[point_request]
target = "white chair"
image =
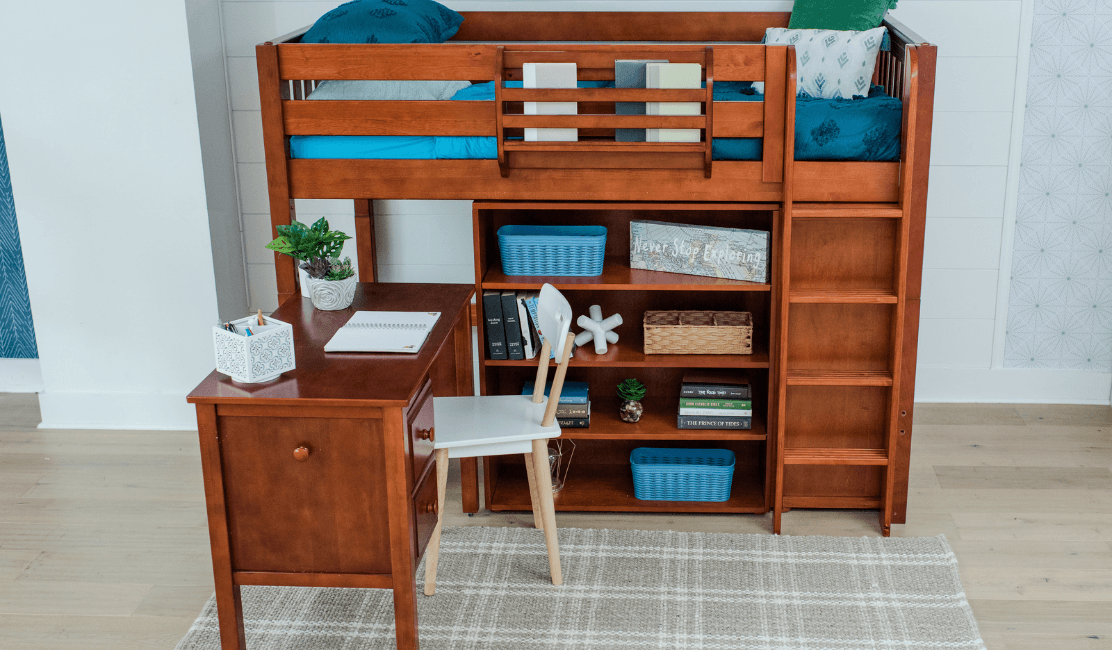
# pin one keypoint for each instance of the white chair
(496, 425)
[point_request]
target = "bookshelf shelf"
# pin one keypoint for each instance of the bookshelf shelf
(618, 276)
(609, 488)
(627, 356)
(657, 423)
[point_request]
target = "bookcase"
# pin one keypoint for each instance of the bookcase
(832, 368)
(599, 478)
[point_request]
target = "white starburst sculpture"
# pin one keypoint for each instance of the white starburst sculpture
(598, 329)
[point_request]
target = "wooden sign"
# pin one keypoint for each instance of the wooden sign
(731, 253)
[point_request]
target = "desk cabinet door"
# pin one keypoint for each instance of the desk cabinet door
(292, 512)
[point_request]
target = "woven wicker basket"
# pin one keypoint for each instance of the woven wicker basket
(698, 332)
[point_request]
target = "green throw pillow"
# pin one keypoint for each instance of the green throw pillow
(856, 15)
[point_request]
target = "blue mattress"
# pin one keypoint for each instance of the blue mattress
(865, 129)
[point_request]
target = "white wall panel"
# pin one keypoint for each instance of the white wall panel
(243, 83)
(962, 244)
(955, 343)
(262, 284)
(967, 192)
(964, 28)
(958, 293)
(961, 138)
(253, 197)
(974, 83)
(438, 273)
(249, 23)
(248, 126)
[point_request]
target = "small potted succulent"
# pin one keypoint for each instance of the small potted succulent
(316, 248)
(631, 391)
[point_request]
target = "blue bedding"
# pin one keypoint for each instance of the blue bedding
(864, 129)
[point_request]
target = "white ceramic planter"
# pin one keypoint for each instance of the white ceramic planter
(332, 295)
(303, 280)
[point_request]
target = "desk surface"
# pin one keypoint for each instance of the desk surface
(353, 378)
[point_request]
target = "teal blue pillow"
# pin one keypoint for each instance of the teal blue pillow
(385, 21)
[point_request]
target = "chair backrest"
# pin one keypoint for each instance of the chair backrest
(554, 314)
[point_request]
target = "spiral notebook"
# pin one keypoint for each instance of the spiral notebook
(384, 331)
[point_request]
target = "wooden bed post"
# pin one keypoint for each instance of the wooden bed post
(277, 173)
(921, 76)
(365, 240)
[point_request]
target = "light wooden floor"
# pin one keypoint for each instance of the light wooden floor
(103, 541)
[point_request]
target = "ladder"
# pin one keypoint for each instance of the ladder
(797, 372)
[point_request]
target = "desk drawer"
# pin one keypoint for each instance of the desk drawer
(305, 494)
(425, 508)
(419, 421)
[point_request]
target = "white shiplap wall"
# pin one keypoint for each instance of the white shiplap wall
(978, 42)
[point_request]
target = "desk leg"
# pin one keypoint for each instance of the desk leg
(229, 607)
(402, 551)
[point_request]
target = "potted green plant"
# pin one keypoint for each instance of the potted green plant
(331, 281)
(631, 391)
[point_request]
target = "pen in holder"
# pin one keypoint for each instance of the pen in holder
(262, 356)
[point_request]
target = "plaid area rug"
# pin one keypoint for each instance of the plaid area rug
(638, 589)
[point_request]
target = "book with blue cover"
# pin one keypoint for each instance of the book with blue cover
(574, 392)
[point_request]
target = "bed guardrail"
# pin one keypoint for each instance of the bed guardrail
(300, 69)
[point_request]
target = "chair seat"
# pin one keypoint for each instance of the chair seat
(489, 420)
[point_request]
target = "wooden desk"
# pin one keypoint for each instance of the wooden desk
(358, 509)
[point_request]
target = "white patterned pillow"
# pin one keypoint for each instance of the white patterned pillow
(831, 64)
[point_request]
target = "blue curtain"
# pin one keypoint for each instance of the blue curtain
(17, 333)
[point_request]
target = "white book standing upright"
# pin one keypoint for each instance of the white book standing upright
(384, 331)
(673, 75)
(550, 75)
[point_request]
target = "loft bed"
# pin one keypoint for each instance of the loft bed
(492, 46)
(867, 297)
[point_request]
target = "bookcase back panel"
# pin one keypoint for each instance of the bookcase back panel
(849, 337)
(843, 254)
(850, 417)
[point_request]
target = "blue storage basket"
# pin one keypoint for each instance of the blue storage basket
(552, 250)
(682, 474)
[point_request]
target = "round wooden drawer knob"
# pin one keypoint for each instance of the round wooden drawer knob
(427, 434)
(301, 454)
(431, 508)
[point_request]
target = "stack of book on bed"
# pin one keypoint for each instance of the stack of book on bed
(574, 409)
(715, 400)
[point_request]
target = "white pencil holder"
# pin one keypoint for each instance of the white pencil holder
(264, 355)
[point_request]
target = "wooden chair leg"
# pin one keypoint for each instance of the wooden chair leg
(530, 472)
(548, 509)
(432, 554)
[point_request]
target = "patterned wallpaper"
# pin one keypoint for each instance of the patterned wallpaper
(1060, 307)
(17, 335)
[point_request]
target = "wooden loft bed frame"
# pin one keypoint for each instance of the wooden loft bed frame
(493, 45)
(884, 201)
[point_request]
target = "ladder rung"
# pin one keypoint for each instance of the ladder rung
(868, 210)
(842, 296)
(834, 456)
(839, 378)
